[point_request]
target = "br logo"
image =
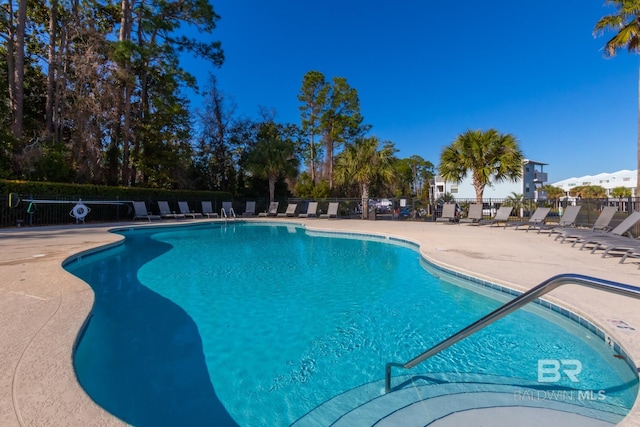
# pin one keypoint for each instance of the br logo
(551, 370)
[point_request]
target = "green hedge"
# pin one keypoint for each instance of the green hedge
(66, 194)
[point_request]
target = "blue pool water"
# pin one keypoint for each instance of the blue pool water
(255, 325)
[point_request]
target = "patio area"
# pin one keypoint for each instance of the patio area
(42, 307)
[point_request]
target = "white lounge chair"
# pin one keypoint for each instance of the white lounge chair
(312, 210)
(207, 210)
(291, 210)
(184, 210)
(140, 212)
(332, 211)
(165, 212)
(273, 210)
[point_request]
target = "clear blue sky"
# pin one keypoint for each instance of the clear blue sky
(428, 70)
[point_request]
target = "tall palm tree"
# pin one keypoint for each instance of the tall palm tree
(273, 157)
(489, 156)
(626, 23)
(363, 163)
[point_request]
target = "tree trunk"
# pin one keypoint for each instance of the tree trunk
(51, 75)
(18, 79)
(638, 172)
(329, 160)
(312, 166)
(364, 189)
(11, 63)
(272, 189)
(125, 34)
(60, 89)
(126, 135)
(479, 192)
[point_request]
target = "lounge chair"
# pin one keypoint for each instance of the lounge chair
(567, 220)
(273, 210)
(250, 209)
(312, 208)
(448, 213)
(140, 212)
(601, 225)
(332, 211)
(537, 219)
(165, 212)
(620, 245)
(614, 240)
(502, 215)
(227, 210)
(633, 253)
(291, 210)
(184, 209)
(475, 214)
(208, 210)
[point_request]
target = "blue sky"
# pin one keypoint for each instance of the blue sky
(427, 71)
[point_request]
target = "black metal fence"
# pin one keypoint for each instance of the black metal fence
(43, 209)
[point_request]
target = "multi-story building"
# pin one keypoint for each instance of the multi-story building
(609, 181)
(533, 177)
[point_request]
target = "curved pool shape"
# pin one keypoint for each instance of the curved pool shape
(256, 325)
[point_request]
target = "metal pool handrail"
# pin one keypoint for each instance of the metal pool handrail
(541, 289)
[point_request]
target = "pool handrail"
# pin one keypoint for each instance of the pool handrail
(518, 302)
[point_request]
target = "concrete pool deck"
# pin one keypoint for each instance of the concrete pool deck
(42, 307)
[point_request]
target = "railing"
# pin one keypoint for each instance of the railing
(541, 289)
(230, 214)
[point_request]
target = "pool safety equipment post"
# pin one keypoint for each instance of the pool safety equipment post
(79, 211)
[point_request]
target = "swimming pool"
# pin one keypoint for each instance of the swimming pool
(259, 324)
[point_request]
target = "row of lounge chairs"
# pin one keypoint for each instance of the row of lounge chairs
(312, 211)
(141, 212)
(618, 240)
(599, 237)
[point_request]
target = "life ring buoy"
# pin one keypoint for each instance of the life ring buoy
(79, 211)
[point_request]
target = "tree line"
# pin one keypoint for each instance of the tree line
(94, 89)
(96, 94)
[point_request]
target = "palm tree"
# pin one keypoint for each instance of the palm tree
(589, 192)
(363, 163)
(620, 192)
(489, 156)
(516, 200)
(553, 192)
(273, 157)
(626, 23)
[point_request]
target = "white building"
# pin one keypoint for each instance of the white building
(623, 178)
(533, 177)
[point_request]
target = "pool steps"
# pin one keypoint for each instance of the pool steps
(511, 306)
(435, 401)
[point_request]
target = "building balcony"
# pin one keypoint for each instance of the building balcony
(539, 177)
